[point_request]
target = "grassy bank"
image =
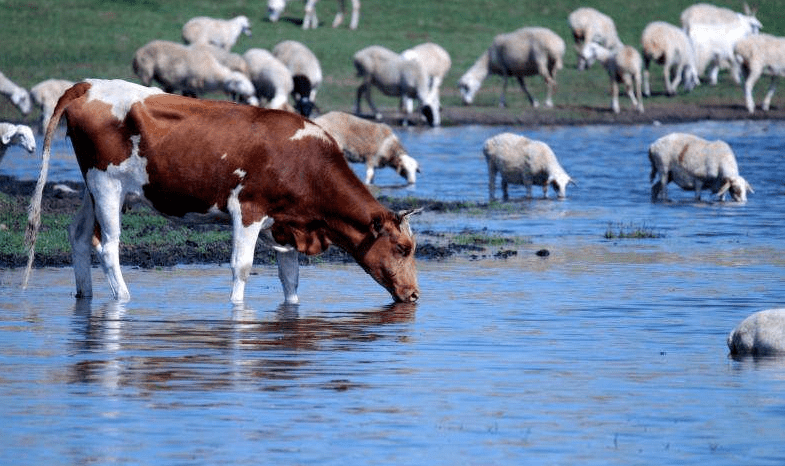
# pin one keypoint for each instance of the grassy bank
(75, 39)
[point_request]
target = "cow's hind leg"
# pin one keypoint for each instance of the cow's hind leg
(108, 204)
(289, 273)
(81, 234)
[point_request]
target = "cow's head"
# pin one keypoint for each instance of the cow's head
(389, 256)
(738, 188)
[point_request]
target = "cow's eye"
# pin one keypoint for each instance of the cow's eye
(403, 249)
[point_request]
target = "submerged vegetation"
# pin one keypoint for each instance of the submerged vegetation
(630, 231)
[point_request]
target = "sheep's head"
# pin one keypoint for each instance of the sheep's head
(559, 184)
(21, 135)
(21, 98)
(238, 84)
(245, 25)
(468, 87)
(738, 188)
(408, 168)
(589, 53)
(274, 9)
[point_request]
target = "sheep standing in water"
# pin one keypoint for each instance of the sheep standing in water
(524, 161)
(623, 66)
(221, 33)
(590, 25)
(395, 76)
(526, 52)
(760, 334)
(374, 144)
(695, 163)
(11, 134)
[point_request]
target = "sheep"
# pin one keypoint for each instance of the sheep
(695, 163)
(669, 46)
(231, 60)
(222, 33)
(760, 334)
(46, 94)
(193, 70)
(11, 134)
(394, 76)
(757, 55)
(523, 161)
(590, 25)
(373, 144)
(310, 21)
(437, 63)
(18, 95)
(526, 52)
(713, 32)
(623, 66)
(306, 72)
(271, 78)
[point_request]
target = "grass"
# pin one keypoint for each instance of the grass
(630, 231)
(76, 39)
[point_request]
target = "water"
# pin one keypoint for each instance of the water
(605, 352)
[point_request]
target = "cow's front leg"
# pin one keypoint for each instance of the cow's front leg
(289, 273)
(243, 246)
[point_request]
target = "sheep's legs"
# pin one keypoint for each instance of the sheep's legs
(769, 94)
(615, 96)
(749, 84)
(491, 181)
(532, 100)
(365, 89)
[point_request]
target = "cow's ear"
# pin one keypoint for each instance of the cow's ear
(376, 226)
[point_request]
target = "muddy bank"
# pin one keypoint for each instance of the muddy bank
(431, 245)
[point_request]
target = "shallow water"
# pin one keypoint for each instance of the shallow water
(605, 352)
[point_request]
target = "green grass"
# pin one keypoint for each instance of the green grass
(630, 231)
(76, 39)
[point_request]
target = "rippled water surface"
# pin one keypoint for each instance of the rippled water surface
(604, 352)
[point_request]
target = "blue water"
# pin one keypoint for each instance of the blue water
(605, 352)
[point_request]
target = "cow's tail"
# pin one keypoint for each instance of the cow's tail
(34, 211)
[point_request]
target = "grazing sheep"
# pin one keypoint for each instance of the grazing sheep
(306, 72)
(395, 76)
(193, 70)
(222, 33)
(11, 134)
(231, 60)
(373, 144)
(271, 78)
(714, 31)
(526, 52)
(436, 62)
(18, 95)
(695, 163)
(623, 66)
(46, 94)
(523, 161)
(760, 334)
(310, 21)
(590, 25)
(757, 55)
(670, 47)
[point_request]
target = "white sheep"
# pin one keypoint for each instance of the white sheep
(46, 94)
(590, 25)
(306, 72)
(521, 160)
(714, 31)
(222, 33)
(526, 52)
(310, 21)
(231, 60)
(695, 163)
(193, 70)
(437, 63)
(670, 47)
(271, 78)
(11, 134)
(757, 55)
(395, 76)
(623, 66)
(760, 334)
(18, 95)
(373, 144)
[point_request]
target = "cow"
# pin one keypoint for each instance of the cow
(266, 171)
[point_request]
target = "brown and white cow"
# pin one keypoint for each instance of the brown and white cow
(268, 170)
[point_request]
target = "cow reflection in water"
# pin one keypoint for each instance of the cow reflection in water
(120, 349)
